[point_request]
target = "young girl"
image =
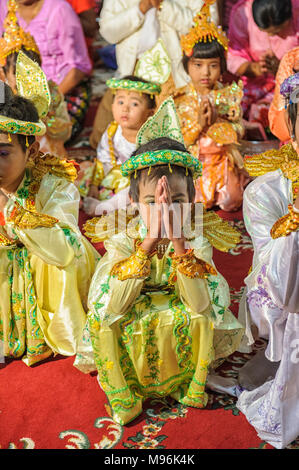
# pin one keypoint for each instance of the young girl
(271, 213)
(45, 263)
(159, 313)
(211, 117)
(132, 105)
(58, 122)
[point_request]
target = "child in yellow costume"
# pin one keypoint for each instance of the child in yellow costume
(210, 115)
(45, 263)
(158, 308)
(132, 105)
(57, 120)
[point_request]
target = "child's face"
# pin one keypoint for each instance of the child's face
(130, 109)
(204, 73)
(147, 190)
(13, 161)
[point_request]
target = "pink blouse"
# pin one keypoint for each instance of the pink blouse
(58, 33)
(248, 43)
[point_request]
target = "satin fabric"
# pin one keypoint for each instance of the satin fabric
(113, 181)
(146, 339)
(272, 305)
(45, 277)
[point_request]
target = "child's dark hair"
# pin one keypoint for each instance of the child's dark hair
(162, 143)
(11, 59)
(16, 107)
(207, 50)
(267, 13)
(133, 78)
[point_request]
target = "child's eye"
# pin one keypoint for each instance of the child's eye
(120, 102)
(3, 153)
(135, 103)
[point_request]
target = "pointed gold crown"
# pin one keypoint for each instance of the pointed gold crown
(31, 84)
(204, 30)
(14, 37)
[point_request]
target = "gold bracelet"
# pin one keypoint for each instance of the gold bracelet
(160, 6)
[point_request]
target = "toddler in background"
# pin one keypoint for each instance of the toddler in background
(103, 183)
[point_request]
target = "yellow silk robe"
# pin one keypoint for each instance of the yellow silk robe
(151, 338)
(45, 266)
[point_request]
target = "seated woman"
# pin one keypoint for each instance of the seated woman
(260, 33)
(45, 262)
(58, 121)
(59, 36)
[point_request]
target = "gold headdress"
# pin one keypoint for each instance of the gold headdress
(31, 84)
(204, 30)
(164, 123)
(14, 37)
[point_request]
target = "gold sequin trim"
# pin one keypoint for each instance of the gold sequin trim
(137, 266)
(191, 266)
(24, 219)
(286, 225)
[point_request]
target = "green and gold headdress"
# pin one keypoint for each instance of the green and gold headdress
(131, 85)
(31, 84)
(164, 123)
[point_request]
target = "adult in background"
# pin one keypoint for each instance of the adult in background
(86, 10)
(135, 26)
(260, 33)
(59, 36)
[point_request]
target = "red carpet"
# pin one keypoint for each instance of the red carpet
(54, 406)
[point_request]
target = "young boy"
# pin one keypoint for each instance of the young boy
(133, 104)
(45, 263)
(271, 213)
(159, 312)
